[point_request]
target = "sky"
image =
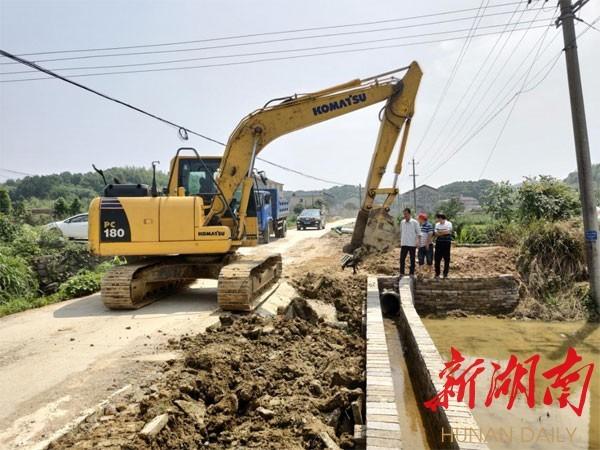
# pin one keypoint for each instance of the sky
(49, 126)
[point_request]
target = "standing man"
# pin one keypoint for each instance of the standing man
(443, 240)
(426, 244)
(409, 241)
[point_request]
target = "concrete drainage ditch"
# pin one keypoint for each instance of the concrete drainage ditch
(387, 424)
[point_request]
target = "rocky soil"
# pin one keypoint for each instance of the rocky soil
(287, 381)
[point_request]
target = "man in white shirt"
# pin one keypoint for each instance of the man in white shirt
(443, 242)
(410, 238)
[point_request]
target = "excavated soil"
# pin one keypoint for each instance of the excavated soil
(287, 381)
(464, 262)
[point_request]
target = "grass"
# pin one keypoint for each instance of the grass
(84, 283)
(18, 304)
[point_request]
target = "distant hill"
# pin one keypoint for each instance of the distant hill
(84, 186)
(475, 189)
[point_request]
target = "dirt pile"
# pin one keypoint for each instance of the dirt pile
(465, 262)
(250, 382)
(346, 292)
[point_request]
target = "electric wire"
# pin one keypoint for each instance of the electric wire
(458, 130)
(154, 116)
(267, 33)
(302, 173)
(512, 108)
(446, 86)
(105, 96)
(548, 67)
(461, 104)
(499, 99)
(268, 41)
(236, 63)
(267, 52)
(16, 172)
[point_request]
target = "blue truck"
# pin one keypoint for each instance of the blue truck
(272, 211)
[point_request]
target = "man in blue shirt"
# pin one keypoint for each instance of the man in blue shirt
(426, 243)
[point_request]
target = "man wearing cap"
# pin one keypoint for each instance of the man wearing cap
(410, 237)
(426, 247)
(443, 241)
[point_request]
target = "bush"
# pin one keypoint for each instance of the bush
(546, 198)
(8, 229)
(84, 283)
(551, 258)
(481, 229)
(26, 243)
(51, 239)
(16, 278)
(474, 234)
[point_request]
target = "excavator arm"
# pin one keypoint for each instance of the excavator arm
(261, 127)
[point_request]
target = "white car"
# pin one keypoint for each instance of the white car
(75, 227)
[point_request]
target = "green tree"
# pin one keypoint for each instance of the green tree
(298, 208)
(451, 208)
(61, 210)
(546, 198)
(5, 203)
(500, 201)
(75, 206)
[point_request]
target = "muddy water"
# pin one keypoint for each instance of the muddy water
(414, 435)
(540, 427)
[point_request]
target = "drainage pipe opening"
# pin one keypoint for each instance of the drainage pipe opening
(390, 303)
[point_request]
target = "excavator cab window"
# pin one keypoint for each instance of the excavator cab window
(197, 178)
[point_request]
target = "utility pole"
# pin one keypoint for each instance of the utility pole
(414, 177)
(582, 145)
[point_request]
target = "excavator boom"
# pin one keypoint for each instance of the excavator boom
(259, 128)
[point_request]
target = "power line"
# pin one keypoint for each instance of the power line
(497, 100)
(321, 47)
(447, 85)
(460, 103)
(551, 64)
(268, 41)
(236, 63)
(512, 108)
(302, 173)
(182, 130)
(268, 33)
(16, 172)
(459, 129)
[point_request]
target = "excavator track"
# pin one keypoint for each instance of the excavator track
(132, 286)
(120, 290)
(242, 282)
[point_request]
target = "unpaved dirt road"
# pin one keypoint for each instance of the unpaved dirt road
(58, 360)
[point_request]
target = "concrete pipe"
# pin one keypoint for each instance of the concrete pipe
(390, 303)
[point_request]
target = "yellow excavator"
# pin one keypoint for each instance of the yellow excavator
(193, 228)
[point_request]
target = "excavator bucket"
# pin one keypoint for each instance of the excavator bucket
(374, 232)
(381, 232)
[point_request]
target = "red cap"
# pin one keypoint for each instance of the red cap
(423, 216)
